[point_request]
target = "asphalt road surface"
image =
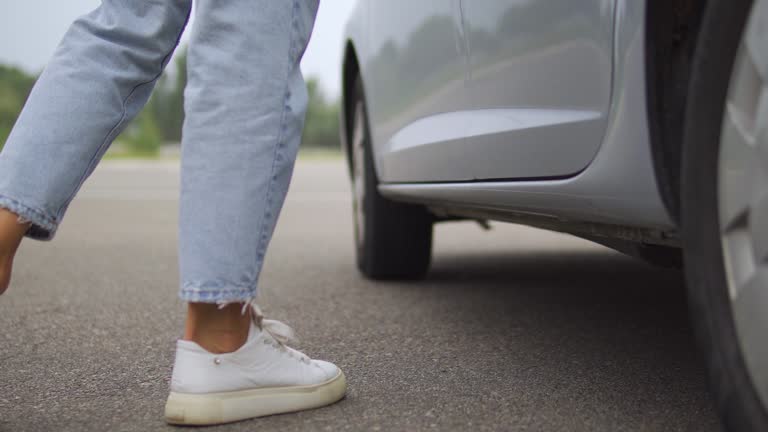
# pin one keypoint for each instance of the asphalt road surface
(513, 329)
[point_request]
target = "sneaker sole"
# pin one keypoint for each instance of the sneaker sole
(218, 408)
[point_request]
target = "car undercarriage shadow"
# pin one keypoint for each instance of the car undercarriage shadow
(582, 332)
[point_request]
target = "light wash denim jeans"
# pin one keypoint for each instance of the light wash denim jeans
(245, 105)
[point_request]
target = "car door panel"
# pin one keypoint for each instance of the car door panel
(465, 145)
(545, 55)
(417, 68)
(533, 102)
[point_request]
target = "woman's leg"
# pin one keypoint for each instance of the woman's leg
(100, 76)
(98, 79)
(245, 107)
(245, 103)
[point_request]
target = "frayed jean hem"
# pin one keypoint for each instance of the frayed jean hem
(193, 293)
(43, 226)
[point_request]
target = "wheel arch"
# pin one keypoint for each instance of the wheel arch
(672, 32)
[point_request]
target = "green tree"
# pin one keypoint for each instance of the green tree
(15, 86)
(169, 101)
(143, 136)
(321, 128)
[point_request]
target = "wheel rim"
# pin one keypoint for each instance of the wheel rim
(743, 195)
(358, 172)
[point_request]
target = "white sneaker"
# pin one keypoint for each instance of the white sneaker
(263, 377)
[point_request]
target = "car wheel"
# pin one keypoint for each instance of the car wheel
(393, 240)
(725, 207)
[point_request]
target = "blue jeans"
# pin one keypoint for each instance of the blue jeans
(245, 103)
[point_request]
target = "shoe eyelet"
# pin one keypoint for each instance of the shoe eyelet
(216, 361)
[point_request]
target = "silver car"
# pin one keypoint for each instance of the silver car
(639, 125)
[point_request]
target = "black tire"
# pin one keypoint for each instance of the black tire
(395, 240)
(735, 396)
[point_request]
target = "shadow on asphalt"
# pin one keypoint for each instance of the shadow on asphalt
(608, 285)
(614, 304)
(589, 337)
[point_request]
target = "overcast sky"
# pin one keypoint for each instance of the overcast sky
(31, 29)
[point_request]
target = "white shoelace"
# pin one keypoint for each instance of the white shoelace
(278, 330)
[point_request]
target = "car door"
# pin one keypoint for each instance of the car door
(416, 72)
(540, 85)
(535, 100)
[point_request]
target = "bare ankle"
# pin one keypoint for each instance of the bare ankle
(218, 330)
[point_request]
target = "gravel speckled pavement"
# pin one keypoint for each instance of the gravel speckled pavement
(513, 329)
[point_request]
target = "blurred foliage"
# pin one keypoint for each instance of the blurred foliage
(167, 103)
(143, 136)
(162, 118)
(321, 127)
(15, 86)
